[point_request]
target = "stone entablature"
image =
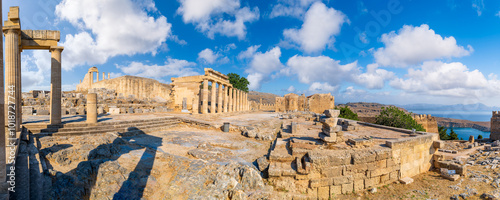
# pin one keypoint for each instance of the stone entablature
(192, 94)
(495, 126)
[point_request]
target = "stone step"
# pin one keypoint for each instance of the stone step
(144, 128)
(99, 126)
(85, 127)
(83, 124)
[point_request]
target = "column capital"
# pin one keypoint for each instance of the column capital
(12, 29)
(56, 48)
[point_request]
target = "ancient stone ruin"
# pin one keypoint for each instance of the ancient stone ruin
(316, 103)
(428, 122)
(495, 126)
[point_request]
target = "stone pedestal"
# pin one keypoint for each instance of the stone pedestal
(331, 133)
(91, 108)
(55, 88)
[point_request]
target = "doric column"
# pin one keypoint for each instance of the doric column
(19, 96)
(196, 104)
(230, 100)
(204, 94)
(91, 108)
(245, 101)
(238, 100)
(109, 75)
(226, 103)
(241, 100)
(2, 104)
(213, 101)
(11, 74)
(97, 73)
(219, 99)
(103, 76)
(235, 104)
(55, 88)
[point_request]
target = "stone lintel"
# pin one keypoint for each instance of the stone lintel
(38, 44)
(40, 35)
(210, 71)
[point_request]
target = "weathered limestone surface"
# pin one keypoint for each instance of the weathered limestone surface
(428, 122)
(316, 103)
(55, 94)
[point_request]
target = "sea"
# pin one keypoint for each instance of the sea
(463, 133)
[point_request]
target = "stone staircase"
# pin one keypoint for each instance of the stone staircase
(82, 128)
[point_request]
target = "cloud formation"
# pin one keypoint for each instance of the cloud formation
(291, 8)
(261, 65)
(171, 67)
(414, 45)
(104, 30)
(320, 26)
(208, 16)
(210, 57)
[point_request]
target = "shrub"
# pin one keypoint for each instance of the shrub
(346, 113)
(392, 116)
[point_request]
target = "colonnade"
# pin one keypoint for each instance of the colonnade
(224, 98)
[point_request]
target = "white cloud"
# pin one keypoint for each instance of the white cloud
(249, 53)
(105, 30)
(479, 6)
(35, 68)
(208, 56)
(115, 75)
(262, 65)
(291, 89)
(208, 16)
(294, 8)
(320, 26)
(319, 69)
(318, 87)
(498, 14)
(172, 67)
(374, 78)
(413, 45)
(447, 79)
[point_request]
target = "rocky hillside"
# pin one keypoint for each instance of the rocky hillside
(459, 123)
(267, 98)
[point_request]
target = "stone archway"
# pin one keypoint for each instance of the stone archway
(17, 40)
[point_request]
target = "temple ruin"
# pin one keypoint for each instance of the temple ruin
(316, 103)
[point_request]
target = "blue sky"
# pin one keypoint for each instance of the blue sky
(394, 52)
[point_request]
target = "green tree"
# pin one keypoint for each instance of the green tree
(479, 137)
(443, 133)
(392, 116)
(453, 135)
(238, 82)
(346, 113)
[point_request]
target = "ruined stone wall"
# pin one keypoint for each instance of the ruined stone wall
(188, 91)
(428, 122)
(318, 103)
(279, 105)
(137, 86)
(330, 172)
(261, 106)
(495, 126)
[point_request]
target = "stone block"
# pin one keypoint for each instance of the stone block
(262, 163)
(332, 171)
(384, 178)
(81, 111)
(321, 182)
(100, 110)
(324, 193)
(325, 158)
(114, 111)
(331, 113)
(372, 182)
(363, 156)
(274, 170)
(328, 139)
(294, 128)
(394, 176)
(406, 180)
(42, 112)
(123, 110)
(359, 185)
(27, 110)
(138, 111)
(130, 110)
(347, 188)
(72, 111)
(342, 180)
(335, 190)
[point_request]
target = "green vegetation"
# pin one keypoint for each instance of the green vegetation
(392, 116)
(479, 137)
(238, 82)
(443, 133)
(346, 113)
(453, 135)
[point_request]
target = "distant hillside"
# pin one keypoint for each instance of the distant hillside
(367, 111)
(267, 98)
(456, 107)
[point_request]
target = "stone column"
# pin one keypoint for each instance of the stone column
(235, 104)
(19, 96)
(226, 103)
(219, 99)
(91, 108)
(230, 100)
(204, 93)
(2, 122)
(213, 99)
(196, 104)
(109, 75)
(103, 76)
(241, 100)
(55, 85)
(11, 71)
(97, 73)
(238, 98)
